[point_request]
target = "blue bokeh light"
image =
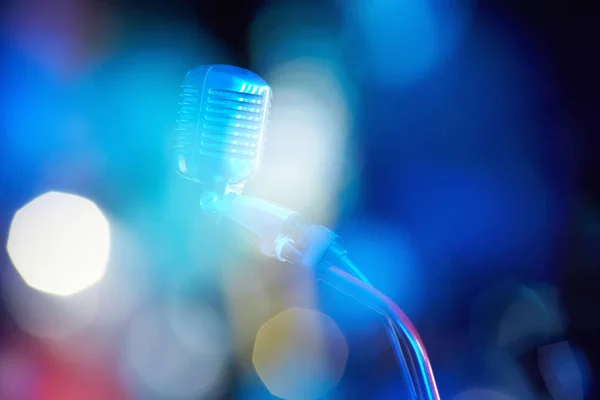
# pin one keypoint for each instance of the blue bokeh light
(398, 43)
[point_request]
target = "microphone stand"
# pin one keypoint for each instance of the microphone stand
(318, 248)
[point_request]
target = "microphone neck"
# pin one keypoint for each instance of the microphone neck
(263, 222)
(213, 200)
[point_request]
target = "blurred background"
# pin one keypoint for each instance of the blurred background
(452, 144)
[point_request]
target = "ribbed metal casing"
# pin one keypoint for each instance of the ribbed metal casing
(221, 125)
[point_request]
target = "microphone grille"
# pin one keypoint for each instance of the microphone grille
(189, 106)
(232, 124)
(220, 128)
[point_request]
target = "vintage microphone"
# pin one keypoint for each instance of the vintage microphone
(218, 140)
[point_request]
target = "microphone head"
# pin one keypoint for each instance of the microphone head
(221, 125)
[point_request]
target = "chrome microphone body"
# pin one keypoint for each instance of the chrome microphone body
(220, 130)
(218, 143)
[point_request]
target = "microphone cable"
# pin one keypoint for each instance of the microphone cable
(320, 249)
(410, 351)
(404, 337)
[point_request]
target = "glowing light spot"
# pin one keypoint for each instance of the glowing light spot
(59, 243)
(421, 32)
(300, 354)
(179, 351)
(311, 121)
(533, 316)
(52, 318)
(565, 372)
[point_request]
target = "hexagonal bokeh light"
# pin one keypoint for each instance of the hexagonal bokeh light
(59, 243)
(300, 354)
